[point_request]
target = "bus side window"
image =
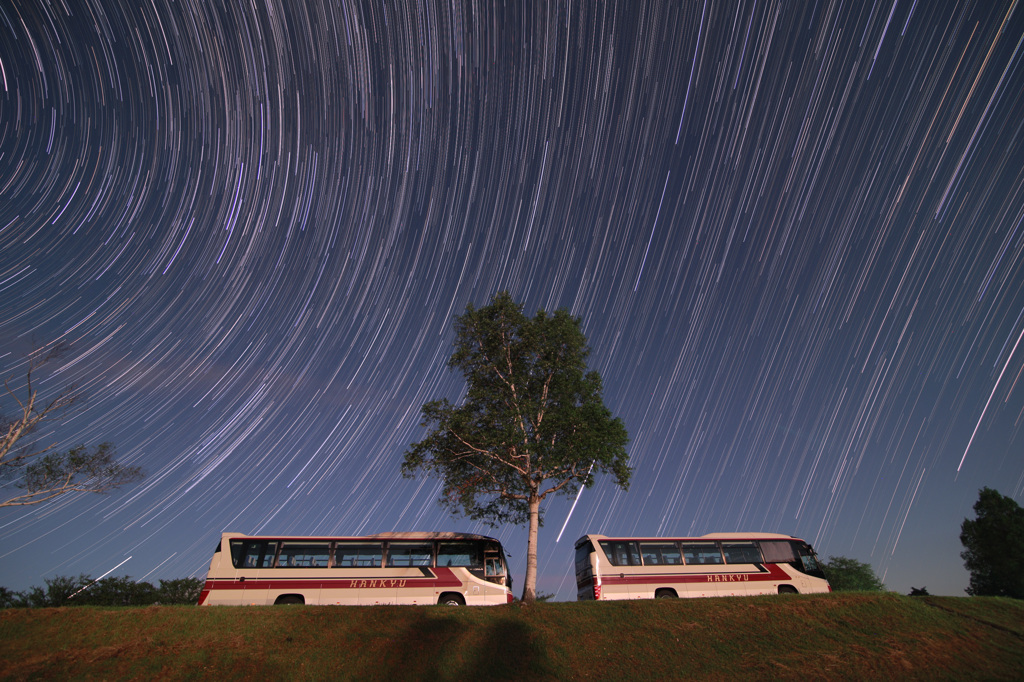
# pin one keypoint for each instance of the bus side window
(459, 554)
(237, 553)
(408, 554)
(252, 553)
(304, 554)
(778, 551)
(702, 553)
(741, 553)
(659, 553)
(621, 553)
(358, 554)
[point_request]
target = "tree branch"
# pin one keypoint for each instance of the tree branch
(48, 474)
(482, 451)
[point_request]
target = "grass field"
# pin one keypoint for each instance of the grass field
(851, 636)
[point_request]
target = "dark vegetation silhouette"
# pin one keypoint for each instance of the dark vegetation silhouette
(994, 546)
(111, 591)
(845, 575)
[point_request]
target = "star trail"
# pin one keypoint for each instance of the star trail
(792, 232)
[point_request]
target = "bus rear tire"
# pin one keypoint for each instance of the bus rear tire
(665, 593)
(451, 599)
(289, 599)
(787, 589)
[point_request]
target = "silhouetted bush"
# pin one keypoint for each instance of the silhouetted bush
(846, 574)
(116, 591)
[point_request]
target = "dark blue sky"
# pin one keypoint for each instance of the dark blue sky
(792, 232)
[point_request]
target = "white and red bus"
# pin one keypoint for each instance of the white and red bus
(389, 568)
(714, 565)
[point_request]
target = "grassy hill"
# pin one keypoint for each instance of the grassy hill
(853, 636)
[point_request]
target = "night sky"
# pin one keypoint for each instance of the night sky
(792, 233)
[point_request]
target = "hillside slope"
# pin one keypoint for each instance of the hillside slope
(838, 636)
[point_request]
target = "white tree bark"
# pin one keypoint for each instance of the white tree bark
(530, 581)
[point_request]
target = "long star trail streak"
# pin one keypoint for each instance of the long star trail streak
(791, 230)
(985, 409)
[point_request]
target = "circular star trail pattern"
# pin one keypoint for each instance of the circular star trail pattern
(792, 232)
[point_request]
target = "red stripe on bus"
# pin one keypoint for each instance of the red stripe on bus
(442, 577)
(771, 573)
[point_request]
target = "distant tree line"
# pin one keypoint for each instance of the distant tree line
(84, 591)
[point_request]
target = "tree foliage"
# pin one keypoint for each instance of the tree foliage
(994, 546)
(846, 575)
(110, 591)
(40, 472)
(533, 422)
(180, 591)
(58, 591)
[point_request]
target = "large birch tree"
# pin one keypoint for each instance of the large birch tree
(532, 424)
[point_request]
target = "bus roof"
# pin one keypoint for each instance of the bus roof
(709, 536)
(438, 535)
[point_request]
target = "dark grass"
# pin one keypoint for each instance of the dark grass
(838, 636)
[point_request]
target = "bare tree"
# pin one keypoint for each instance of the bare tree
(41, 472)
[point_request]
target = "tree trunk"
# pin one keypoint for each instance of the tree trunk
(530, 581)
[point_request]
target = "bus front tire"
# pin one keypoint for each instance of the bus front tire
(289, 599)
(787, 589)
(451, 599)
(665, 593)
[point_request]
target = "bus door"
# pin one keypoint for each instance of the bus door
(495, 566)
(478, 566)
(809, 565)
